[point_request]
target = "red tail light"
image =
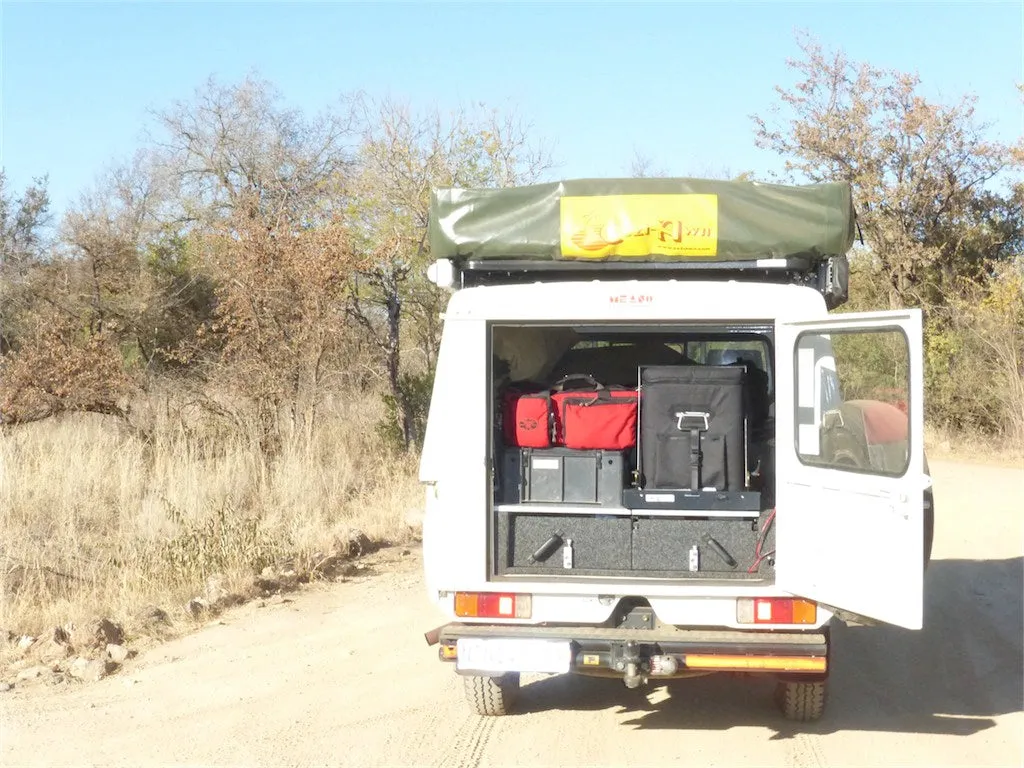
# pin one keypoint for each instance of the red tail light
(775, 610)
(493, 605)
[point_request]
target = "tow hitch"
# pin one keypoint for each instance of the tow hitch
(638, 663)
(626, 658)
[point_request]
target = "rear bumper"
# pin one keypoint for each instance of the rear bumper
(665, 651)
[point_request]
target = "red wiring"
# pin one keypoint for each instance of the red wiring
(758, 557)
(759, 560)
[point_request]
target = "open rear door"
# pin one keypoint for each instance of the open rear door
(850, 464)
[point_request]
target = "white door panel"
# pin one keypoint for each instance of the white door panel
(849, 491)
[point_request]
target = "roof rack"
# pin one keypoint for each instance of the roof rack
(830, 277)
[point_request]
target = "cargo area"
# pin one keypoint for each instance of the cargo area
(628, 451)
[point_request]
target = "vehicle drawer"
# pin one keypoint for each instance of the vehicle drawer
(576, 542)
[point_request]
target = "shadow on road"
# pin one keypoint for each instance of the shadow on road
(953, 677)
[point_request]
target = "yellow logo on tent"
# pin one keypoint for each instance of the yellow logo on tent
(639, 225)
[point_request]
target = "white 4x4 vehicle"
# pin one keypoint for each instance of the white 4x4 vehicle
(655, 463)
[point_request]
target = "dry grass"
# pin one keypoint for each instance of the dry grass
(973, 448)
(97, 522)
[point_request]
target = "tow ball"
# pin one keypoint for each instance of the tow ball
(626, 659)
(638, 663)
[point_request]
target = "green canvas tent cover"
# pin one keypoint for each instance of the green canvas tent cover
(641, 220)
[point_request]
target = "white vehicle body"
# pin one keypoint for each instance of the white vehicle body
(832, 526)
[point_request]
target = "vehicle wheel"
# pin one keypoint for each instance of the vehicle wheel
(802, 702)
(492, 695)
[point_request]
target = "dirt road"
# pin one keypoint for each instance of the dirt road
(341, 676)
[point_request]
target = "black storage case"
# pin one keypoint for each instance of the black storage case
(681, 403)
(562, 476)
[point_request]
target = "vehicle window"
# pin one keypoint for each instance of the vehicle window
(753, 352)
(853, 416)
(726, 352)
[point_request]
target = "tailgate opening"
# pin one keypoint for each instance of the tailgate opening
(632, 451)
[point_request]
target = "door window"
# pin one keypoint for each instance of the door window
(852, 400)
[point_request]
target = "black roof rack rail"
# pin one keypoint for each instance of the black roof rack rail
(830, 277)
(513, 271)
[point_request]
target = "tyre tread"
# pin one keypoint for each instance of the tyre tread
(491, 696)
(801, 702)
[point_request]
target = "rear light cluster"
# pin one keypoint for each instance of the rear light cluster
(492, 605)
(775, 610)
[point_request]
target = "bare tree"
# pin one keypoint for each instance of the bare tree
(642, 167)
(248, 242)
(103, 240)
(924, 174)
(128, 261)
(278, 327)
(941, 207)
(23, 242)
(259, 189)
(91, 308)
(23, 222)
(402, 156)
(238, 144)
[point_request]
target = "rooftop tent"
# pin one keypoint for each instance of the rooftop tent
(642, 221)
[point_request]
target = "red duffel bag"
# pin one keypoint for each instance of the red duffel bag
(594, 418)
(526, 418)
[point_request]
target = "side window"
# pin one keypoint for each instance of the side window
(853, 415)
(754, 353)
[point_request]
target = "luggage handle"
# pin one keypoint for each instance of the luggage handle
(586, 377)
(603, 396)
(696, 422)
(693, 420)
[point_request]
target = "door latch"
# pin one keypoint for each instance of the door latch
(567, 554)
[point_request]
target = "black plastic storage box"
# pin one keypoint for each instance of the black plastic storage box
(693, 440)
(687, 404)
(562, 475)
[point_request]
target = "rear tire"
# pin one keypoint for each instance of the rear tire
(492, 696)
(802, 702)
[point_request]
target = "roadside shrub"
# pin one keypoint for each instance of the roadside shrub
(228, 539)
(412, 404)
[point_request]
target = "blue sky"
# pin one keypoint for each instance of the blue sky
(676, 82)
